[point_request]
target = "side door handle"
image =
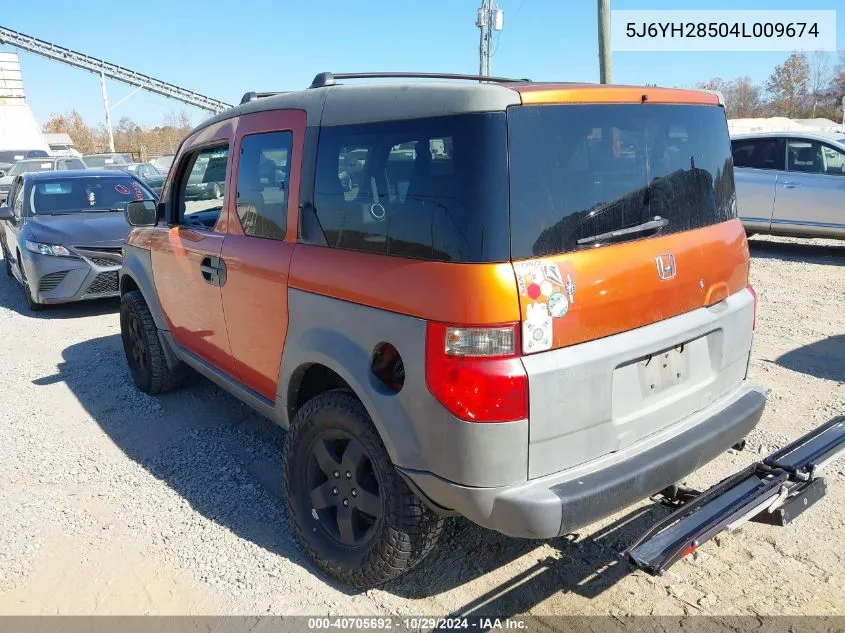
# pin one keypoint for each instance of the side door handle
(213, 270)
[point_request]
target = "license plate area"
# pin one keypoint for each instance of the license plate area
(663, 370)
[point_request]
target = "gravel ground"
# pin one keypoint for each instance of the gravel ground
(115, 502)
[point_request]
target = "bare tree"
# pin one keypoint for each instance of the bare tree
(838, 80)
(746, 97)
(72, 124)
(128, 135)
(788, 84)
(742, 97)
(820, 75)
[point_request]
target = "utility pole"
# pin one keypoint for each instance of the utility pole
(605, 66)
(481, 23)
(108, 112)
(489, 19)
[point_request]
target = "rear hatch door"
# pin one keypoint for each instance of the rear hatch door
(626, 251)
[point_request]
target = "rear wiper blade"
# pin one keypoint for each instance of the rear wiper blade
(651, 225)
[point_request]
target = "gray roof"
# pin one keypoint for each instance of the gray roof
(343, 104)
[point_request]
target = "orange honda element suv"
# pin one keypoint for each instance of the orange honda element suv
(522, 303)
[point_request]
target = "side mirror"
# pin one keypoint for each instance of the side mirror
(2, 173)
(141, 213)
(5, 213)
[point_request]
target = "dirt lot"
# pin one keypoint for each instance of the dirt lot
(115, 502)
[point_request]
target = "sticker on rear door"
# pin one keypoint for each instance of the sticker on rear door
(537, 329)
(558, 305)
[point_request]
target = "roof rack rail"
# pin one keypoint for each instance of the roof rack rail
(252, 96)
(329, 79)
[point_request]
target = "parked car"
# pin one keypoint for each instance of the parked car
(63, 233)
(98, 161)
(533, 313)
(163, 163)
(10, 157)
(37, 164)
(145, 171)
(207, 180)
(791, 183)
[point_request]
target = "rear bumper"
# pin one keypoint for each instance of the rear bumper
(554, 505)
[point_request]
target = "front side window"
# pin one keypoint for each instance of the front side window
(201, 188)
(432, 189)
(758, 153)
(17, 205)
(263, 184)
(814, 157)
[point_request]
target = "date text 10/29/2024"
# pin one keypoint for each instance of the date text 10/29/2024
(414, 623)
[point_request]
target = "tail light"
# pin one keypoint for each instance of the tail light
(476, 373)
(753, 294)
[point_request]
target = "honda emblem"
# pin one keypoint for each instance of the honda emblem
(666, 266)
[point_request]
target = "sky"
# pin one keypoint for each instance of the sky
(223, 49)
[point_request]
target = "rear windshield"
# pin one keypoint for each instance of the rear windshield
(81, 195)
(27, 166)
(98, 161)
(583, 176)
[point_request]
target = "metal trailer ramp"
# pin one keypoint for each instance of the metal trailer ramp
(774, 491)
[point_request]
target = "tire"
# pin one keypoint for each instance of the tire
(143, 349)
(7, 264)
(404, 531)
(31, 303)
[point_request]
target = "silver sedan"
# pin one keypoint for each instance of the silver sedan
(791, 183)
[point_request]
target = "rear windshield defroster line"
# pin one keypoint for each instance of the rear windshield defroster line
(583, 176)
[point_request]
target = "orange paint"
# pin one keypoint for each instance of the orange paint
(472, 294)
(617, 288)
(191, 306)
(535, 94)
(255, 296)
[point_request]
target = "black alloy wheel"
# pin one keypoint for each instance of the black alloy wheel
(344, 488)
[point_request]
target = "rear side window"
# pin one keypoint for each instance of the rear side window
(588, 175)
(432, 189)
(758, 153)
(263, 173)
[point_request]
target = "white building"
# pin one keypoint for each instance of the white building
(61, 144)
(782, 124)
(18, 128)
